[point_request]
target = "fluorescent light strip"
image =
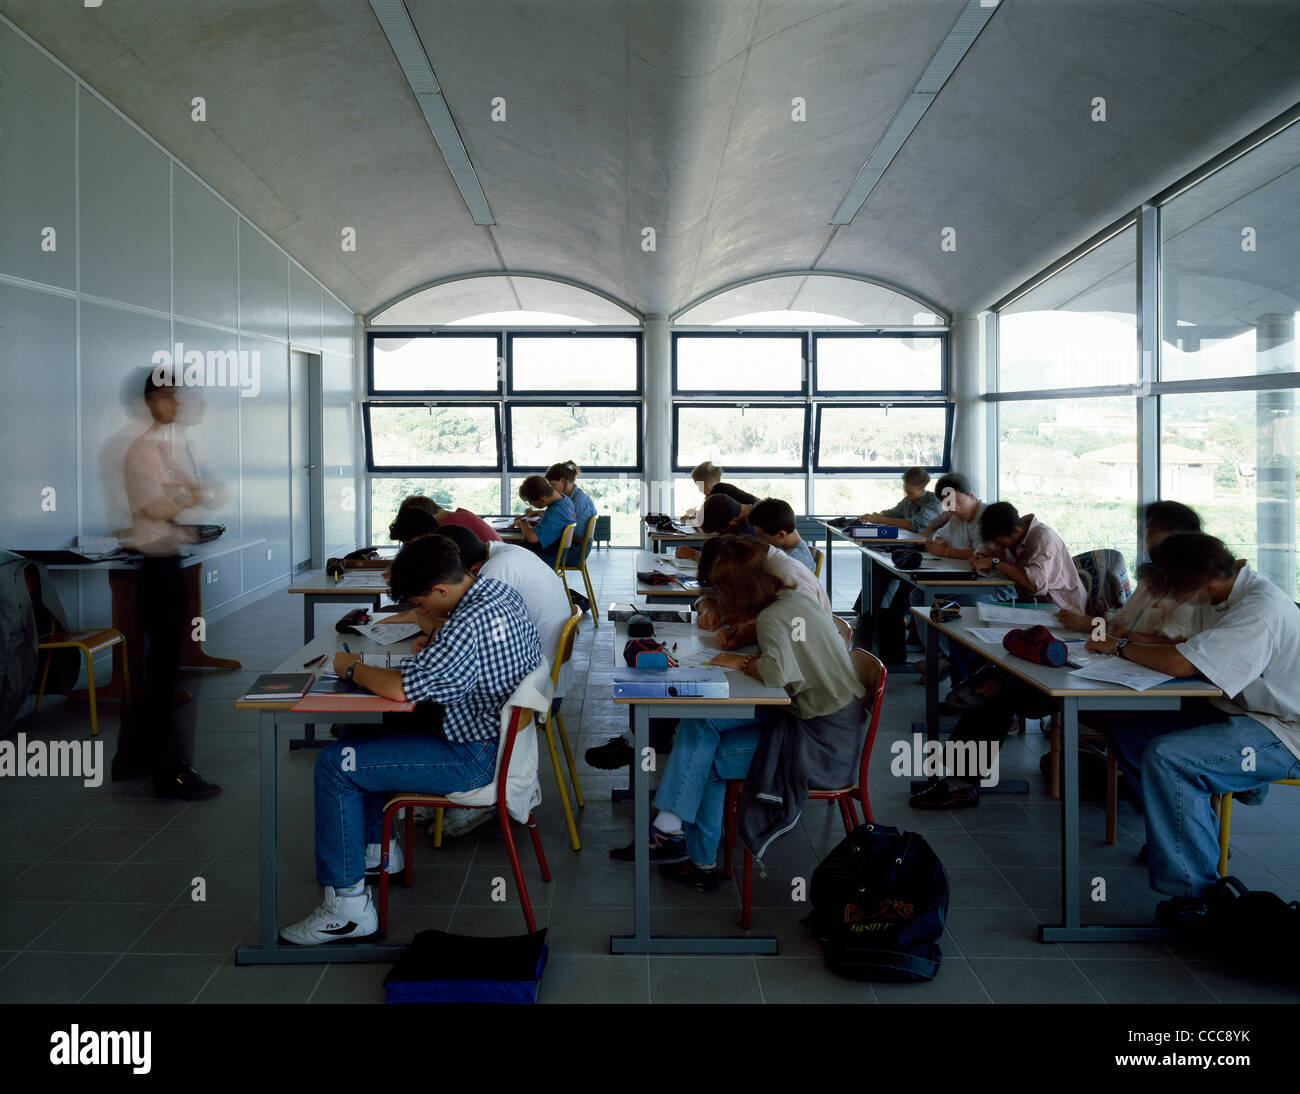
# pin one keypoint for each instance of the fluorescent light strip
(395, 21)
(947, 57)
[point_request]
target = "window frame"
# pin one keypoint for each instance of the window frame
(939, 393)
(426, 393)
(742, 470)
(431, 470)
(594, 470)
(949, 419)
(750, 395)
(566, 395)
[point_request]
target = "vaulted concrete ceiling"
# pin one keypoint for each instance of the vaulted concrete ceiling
(676, 115)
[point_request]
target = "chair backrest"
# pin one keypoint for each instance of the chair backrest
(818, 557)
(44, 620)
(564, 650)
(846, 632)
(872, 674)
(1104, 574)
(562, 549)
(588, 537)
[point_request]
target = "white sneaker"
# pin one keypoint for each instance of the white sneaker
(456, 822)
(337, 918)
(396, 860)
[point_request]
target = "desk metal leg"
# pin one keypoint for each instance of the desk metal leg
(642, 941)
(308, 739)
(871, 598)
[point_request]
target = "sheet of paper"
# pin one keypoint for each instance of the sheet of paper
(698, 659)
(1016, 617)
(359, 579)
(991, 635)
(1077, 655)
(387, 633)
(1115, 670)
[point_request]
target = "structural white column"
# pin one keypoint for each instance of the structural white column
(1275, 454)
(657, 485)
(966, 385)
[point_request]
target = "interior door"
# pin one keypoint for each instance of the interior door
(300, 459)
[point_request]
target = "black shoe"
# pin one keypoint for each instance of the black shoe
(1183, 911)
(580, 601)
(610, 756)
(664, 848)
(185, 783)
(702, 881)
(946, 794)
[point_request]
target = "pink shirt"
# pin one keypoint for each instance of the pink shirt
(153, 482)
(1046, 561)
(475, 524)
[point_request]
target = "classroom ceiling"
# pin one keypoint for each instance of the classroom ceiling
(676, 115)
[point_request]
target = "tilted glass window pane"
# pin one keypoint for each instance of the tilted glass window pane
(736, 437)
(1231, 457)
(590, 436)
(879, 364)
(594, 363)
(478, 495)
(763, 364)
(1073, 464)
(689, 496)
(1230, 267)
(853, 497)
(867, 437)
(433, 436)
(1076, 329)
(441, 363)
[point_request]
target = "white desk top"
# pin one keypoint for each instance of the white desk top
(945, 571)
(904, 536)
(191, 555)
(354, 583)
(330, 642)
(1055, 682)
(647, 561)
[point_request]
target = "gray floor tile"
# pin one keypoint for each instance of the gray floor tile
(999, 932)
(23, 922)
(96, 844)
(1145, 982)
(577, 978)
(808, 980)
(351, 983)
(1019, 980)
(143, 882)
(98, 928)
(955, 983)
(262, 984)
(192, 928)
(1229, 985)
(23, 844)
(56, 881)
(704, 980)
(51, 977)
(154, 978)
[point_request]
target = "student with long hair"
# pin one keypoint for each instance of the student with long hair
(563, 477)
(800, 650)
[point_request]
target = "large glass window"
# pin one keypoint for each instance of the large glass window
(1073, 464)
(885, 438)
(759, 437)
(767, 364)
(606, 436)
(562, 363)
(789, 489)
(834, 496)
(856, 364)
(1076, 329)
(419, 363)
(417, 436)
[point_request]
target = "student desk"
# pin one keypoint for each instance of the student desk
(317, 587)
(687, 568)
(500, 525)
(1075, 694)
(121, 583)
(746, 695)
(680, 533)
(273, 715)
(833, 533)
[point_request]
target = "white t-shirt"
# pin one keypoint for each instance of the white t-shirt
(963, 535)
(543, 595)
(1250, 648)
(796, 574)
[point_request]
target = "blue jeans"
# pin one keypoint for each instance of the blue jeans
(706, 752)
(962, 659)
(350, 803)
(1174, 760)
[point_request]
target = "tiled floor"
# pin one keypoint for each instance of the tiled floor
(96, 884)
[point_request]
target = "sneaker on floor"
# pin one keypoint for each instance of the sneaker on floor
(702, 881)
(337, 918)
(456, 822)
(580, 602)
(946, 794)
(610, 756)
(663, 848)
(396, 860)
(1183, 911)
(185, 783)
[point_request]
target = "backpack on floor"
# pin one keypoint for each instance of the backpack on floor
(1254, 929)
(879, 901)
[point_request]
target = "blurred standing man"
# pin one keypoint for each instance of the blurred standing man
(158, 490)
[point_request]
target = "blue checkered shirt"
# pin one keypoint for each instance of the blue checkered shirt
(475, 661)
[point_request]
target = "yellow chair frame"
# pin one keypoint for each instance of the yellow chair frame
(819, 556)
(582, 568)
(1225, 819)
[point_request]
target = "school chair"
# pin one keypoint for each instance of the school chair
(587, 538)
(517, 759)
(89, 642)
(818, 558)
(846, 631)
(872, 673)
(1225, 818)
(566, 541)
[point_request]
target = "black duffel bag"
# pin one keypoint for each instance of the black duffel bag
(879, 901)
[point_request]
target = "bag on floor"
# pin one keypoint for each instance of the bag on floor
(1255, 930)
(879, 901)
(438, 967)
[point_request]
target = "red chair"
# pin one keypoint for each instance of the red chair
(521, 718)
(872, 673)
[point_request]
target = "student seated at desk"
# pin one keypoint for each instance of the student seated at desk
(773, 522)
(1038, 561)
(563, 477)
(418, 516)
(1145, 616)
(471, 667)
(708, 478)
(826, 714)
(1249, 647)
(917, 509)
(719, 515)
